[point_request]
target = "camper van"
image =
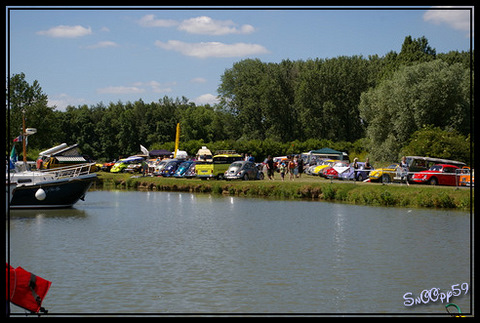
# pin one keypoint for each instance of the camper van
(218, 166)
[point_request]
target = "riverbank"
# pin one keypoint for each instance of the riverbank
(308, 187)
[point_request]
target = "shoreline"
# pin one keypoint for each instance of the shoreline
(306, 188)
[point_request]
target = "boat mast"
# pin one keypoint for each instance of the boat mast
(24, 137)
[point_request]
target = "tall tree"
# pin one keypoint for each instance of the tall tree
(431, 93)
(22, 96)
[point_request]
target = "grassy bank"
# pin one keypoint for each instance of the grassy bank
(308, 187)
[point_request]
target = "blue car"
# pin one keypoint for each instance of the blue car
(170, 167)
(186, 169)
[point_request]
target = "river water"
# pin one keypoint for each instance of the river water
(157, 252)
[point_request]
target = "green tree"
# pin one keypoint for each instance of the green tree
(416, 50)
(431, 93)
(20, 96)
(436, 142)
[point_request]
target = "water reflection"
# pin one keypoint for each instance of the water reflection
(47, 213)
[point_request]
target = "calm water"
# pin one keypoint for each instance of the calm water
(158, 252)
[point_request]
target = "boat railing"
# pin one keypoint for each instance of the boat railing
(70, 171)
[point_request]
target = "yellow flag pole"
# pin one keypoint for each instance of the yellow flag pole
(177, 139)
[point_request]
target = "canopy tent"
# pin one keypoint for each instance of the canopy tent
(327, 151)
(160, 152)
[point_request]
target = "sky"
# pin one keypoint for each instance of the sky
(90, 55)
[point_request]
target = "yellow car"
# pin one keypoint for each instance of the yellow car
(384, 175)
(326, 163)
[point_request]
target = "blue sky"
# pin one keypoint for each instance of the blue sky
(91, 56)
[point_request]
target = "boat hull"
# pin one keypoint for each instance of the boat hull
(58, 194)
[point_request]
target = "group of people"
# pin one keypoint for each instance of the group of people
(292, 165)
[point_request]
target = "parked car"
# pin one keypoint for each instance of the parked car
(465, 176)
(186, 169)
(334, 170)
(122, 164)
(245, 170)
(419, 164)
(323, 164)
(308, 169)
(134, 168)
(170, 167)
(440, 174)
(107, 166)
(385, 174)
(157, 171)
(362, 173)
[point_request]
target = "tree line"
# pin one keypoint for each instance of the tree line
(347, 102)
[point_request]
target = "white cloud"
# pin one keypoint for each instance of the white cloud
(120, 90)
(63, 31)
(156, 87)
(198, 80)
(457, 19)
(206, 99)
(103, 44)
(199, 25)
(212, 49)
(61, 101)
(208, 26)
(151, 21)
(139, 87)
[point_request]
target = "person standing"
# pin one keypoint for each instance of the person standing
(404, 170)
(355, 168)
(283, 169)
(300, 166)
(270, 168)
(291, 168)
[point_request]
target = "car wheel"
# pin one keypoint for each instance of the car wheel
(245, 177)
(261, 176)
(433, 181)
(360, 178)
(385, 179)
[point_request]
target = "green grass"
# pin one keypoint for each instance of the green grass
(307, 187)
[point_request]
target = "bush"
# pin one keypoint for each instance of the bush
(435, 142)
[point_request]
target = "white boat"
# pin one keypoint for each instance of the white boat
(56, 188)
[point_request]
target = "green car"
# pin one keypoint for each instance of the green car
(122, 164)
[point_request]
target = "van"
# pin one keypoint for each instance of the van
(218, 166)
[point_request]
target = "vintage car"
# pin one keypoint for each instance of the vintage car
(244, 170)
(465, 176)
(186, 169)
(385, 174)
(157, 170)
(419, 164)
(219, 165)
(170, 167)
(323, 164)
(122, 164)
(334, 170)
(107, 166)
(362, 173)
(440, 174)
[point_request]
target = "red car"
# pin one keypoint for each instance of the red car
(440, 174)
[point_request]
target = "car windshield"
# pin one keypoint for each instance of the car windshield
(436, 168)
(236, 165)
